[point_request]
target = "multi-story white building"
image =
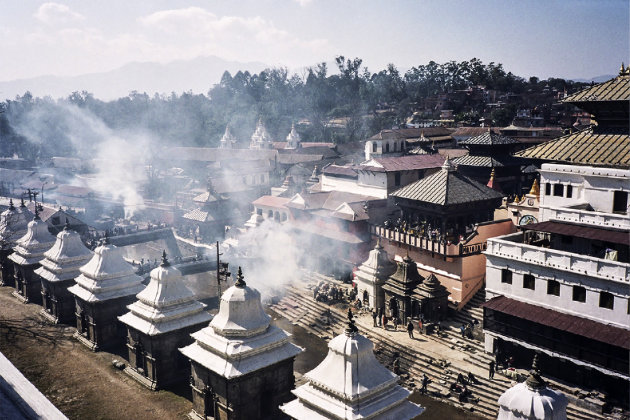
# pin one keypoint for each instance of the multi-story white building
(561, 287)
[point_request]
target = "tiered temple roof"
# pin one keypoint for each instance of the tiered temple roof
(166, 304)
(240, 339)
(261, 139)
(65, 258)
(106, 276)
(30, 248)
(351, 384)
(377, 267)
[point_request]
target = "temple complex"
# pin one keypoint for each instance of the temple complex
(532, 399)
(106, 286)
(160, 322)
(372, 275)
(351, 384)
(242, 366)
(29, 251)
(13, 225)
(57, 273)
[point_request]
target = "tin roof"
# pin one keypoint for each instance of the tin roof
(589, 147)
(605, 333)
(486, 161)
(489, 139)
(581, 231)
(617, 89)
(403, 163)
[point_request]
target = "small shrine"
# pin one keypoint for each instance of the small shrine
(432, 298)
(242, 366)
(293, 139)
(29, 251)
(261, 139)
(351, 384)
(532, 400)
(160, 322)
(228, 141)
(57, 273)
(106, 285)
(13, 225)
(372, 275)
(399, 291)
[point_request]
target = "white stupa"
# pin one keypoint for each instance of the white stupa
(532, 400)
(228, 141)
(372, 275)
(261, 139)
(58, 270)
(240, 339)
(30, 248)
(166, 304)
(293, 139)
(351, 384)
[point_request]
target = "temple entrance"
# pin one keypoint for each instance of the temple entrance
(208, 402)
(85, 330)
(139, 351)
(366, 298)
(393, 307)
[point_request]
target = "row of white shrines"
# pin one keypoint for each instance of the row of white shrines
(240, 365)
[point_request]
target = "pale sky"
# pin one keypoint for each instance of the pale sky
(544, 38)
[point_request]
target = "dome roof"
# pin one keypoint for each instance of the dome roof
(106, 276)
(64, 259)
(166, 304)
(240, 312)
(30, 248)
(532, 400)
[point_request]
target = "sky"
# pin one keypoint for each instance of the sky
(543, 38)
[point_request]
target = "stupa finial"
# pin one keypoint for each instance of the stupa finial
(240, 281)
(165, 262)
(622, 70)
(534, 380)
(11, 206)
(351, 329)
(535, 190)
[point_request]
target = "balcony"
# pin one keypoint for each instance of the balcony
(511, 247)
(574, 215)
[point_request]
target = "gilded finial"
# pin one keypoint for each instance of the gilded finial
(165, 262)
(535, 190)
(535, 381)
(516, 199)
(351, 328)
(622, 70)
(240, 282)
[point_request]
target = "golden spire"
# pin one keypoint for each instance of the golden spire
(622, 70)
(516, 199)
(535, 190)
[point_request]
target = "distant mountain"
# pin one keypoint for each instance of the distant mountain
(197, 75)
(598, 79)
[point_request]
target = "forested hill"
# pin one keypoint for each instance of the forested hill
(361, 102)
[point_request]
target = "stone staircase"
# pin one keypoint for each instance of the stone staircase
(328, 321)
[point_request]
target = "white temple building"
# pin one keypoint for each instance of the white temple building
(372, 275)
(261, 139)
(242, 366)
(532, 400)
(351, 384)
(228, 141)
(29, 251)
(57, 273)
(160, 322)
(293, 139)
(106, 286)
(13, 225)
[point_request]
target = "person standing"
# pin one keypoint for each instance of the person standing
(374, 316)
(491, 370)
(395, 323)
(380, 316)
(463, 330)
(410, 329)
(425, 382)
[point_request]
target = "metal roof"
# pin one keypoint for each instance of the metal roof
(589, 147)
(587, 328)
(617, 89)
(346, 171)
(581, 231)
(447, 187)
(404, 163)
(489, 139)
(486, 161)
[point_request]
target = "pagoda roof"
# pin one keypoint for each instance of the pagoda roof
(64, 259)
(588, 147)
(489, 138)
(487, 161)
(617, 89)
(199, 215)
(30, 248)
(447, 187)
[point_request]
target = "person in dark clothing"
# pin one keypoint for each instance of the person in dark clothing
(471, 378)
(374, 316)
(463, 330)
(491, 370)
(460, 379)
(425, 382)
(410, 329)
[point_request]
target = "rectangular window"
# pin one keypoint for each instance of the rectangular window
(620, 202)
(579, 294)
(606, 300)
(529, 282)
(569, 191)
(547, 188)
(558, 190)
(553, 288)
(506, 276)
(397, 178)
(565, 239)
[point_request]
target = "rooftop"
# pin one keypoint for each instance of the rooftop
(489, 138)
(617, 89)
(402, 163)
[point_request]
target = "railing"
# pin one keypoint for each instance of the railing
(511, 247)
(596, 218)
(428, 244)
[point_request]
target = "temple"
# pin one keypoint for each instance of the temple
(371, 276)
(57, 273)
(160, 322)
(261, 139)
(351, 384)
(242, 366)
(293, 139)
(107, 284)
(228, 141)
(13, 225)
